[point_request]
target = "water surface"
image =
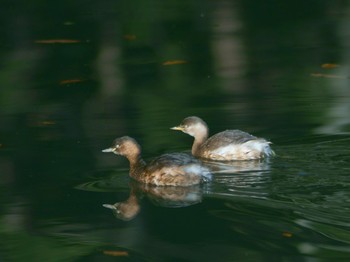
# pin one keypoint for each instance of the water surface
(77, 75)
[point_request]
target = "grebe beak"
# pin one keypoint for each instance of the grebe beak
(108, 150)
(113, 207)
(177, 128)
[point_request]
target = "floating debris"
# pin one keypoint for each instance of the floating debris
(116, 253)
(329, 66)
(287, 234)
(129, 37)
(71, 81)
(174, 62)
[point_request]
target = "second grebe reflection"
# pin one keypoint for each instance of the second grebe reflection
(233, 167)
(164, 196)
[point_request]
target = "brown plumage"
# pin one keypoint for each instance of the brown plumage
(175, 169)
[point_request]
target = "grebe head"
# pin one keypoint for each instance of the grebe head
(124, 146)
(194, 126)
(126, 210)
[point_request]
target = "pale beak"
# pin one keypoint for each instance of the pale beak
(108, 150)
(177, 128)
(113, 207)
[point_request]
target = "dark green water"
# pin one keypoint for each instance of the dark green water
(77, 74)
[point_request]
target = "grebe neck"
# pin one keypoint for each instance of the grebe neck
(198, 142)
(137, 165)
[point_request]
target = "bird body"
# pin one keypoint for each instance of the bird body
(173, 169)
(224, 146)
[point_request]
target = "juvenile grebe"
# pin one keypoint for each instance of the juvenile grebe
(174, 169)
(224, 146)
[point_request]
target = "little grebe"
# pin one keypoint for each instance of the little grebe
(224, 146)
(174, 169)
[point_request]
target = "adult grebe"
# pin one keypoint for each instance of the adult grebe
(224, 146)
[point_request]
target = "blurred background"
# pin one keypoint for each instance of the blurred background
(74, 75)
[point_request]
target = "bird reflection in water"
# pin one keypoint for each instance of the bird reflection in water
(256, 166)
(127, 209)
(227, 177)
(164, 196)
